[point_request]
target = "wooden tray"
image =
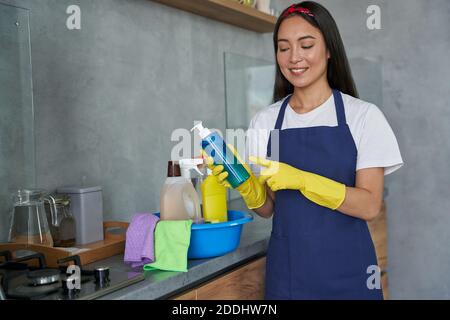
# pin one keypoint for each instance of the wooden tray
(112, 245)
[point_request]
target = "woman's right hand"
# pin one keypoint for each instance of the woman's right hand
(218, 172)
(251, 190)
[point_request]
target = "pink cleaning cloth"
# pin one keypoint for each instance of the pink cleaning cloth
(139, 245)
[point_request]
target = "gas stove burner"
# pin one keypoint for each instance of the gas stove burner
(43, 276)
(20, 280)
(29, 291)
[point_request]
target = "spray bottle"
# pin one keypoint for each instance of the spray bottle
(215, 147)
(179, 200)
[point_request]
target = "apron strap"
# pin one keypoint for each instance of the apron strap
(280, 118)
(338, 102)
(278, 124)
(340, 111)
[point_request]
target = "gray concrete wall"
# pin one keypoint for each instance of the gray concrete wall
(108, 97)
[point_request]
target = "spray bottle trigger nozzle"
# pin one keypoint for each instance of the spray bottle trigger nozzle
(189, 164)
(198, 171)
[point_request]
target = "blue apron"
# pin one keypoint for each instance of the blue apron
(315, 252)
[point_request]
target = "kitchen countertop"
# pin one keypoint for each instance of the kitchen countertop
(159, 284)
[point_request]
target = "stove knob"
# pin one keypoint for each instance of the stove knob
(67, 291)
(101, 275)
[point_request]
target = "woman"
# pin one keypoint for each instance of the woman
(326, 178)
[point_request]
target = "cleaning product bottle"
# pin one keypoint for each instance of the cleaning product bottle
(214, 198)
(186, 165)
(179, 200)
(215, 147)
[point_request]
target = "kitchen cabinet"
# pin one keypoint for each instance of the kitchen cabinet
(190, 295)
(378, 231)
(227, 11)
(243, 283)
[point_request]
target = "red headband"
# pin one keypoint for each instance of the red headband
(294, 8)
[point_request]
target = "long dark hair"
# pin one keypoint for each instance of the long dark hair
(339, 74)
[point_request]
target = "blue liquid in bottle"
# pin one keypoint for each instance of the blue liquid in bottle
(215, 147)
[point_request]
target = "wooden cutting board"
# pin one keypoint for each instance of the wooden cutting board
(111, 245)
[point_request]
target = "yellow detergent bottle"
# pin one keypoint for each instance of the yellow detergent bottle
(214, 198)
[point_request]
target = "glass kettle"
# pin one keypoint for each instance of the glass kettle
(61, 221)
(29, 221)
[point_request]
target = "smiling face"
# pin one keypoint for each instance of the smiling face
(302, 54)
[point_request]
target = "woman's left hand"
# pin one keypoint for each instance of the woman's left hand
(278, 175)
(318, 189)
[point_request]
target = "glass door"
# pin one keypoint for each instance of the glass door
(16, 109)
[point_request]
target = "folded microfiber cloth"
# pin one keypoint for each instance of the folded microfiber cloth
(172, 239)
(139, 245)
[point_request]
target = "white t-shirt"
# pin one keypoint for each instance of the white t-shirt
(372, 134)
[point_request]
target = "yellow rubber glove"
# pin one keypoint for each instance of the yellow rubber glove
(252, 191)
(318, 189)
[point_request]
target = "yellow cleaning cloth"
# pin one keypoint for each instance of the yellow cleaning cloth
(172, 238)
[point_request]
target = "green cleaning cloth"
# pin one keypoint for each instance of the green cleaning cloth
(172, 238)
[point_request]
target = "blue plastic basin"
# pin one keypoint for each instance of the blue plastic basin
(215, 239)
